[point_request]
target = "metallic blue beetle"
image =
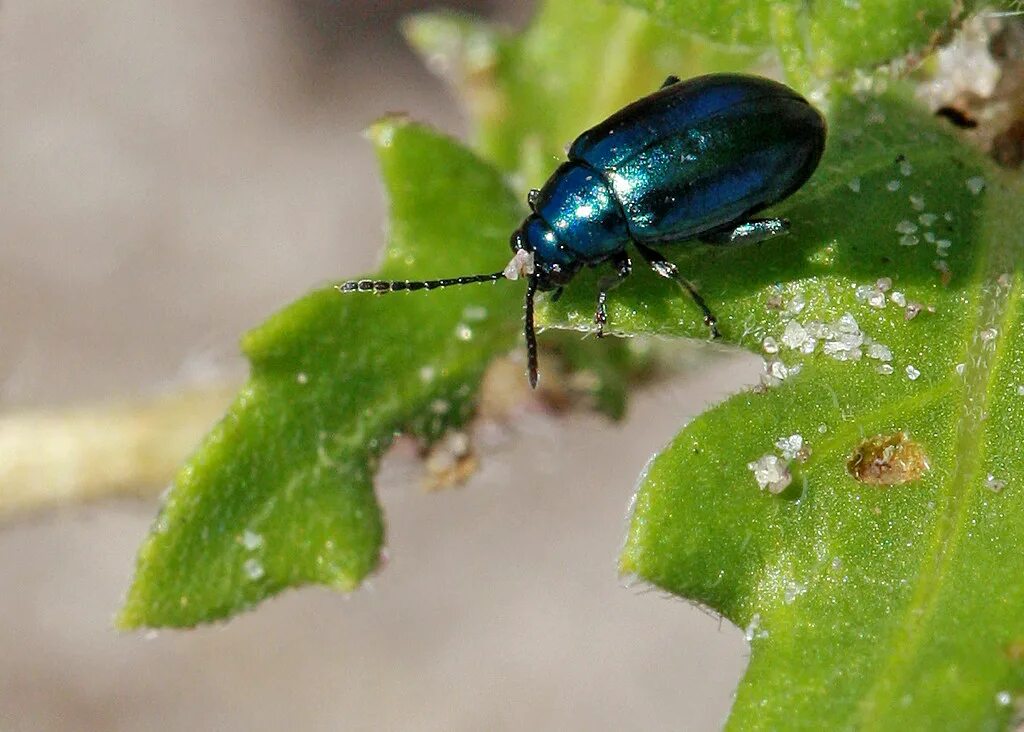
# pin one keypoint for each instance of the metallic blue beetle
(695, 160)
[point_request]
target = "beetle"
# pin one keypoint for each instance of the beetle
(692, 162)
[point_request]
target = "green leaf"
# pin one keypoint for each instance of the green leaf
(280, 493)
(893, 599)
(824, 37)
(525, 111)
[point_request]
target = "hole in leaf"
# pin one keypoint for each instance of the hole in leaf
(892, 459)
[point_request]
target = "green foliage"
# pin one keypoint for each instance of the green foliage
(525, 115)
(825, 38)
(280, 493)
(875, 593)
(867, 606)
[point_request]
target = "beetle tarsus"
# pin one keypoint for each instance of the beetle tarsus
(623, 268)
(747, 232)
(712, 324)
(601, 314)
(669, 271)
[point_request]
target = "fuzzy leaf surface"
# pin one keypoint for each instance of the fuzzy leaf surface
(867, 606)
(826, 38)
(280, 493)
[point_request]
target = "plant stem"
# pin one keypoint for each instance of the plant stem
(53, 458)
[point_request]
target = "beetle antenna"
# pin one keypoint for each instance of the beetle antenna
(383, 286)
(520, 266)
(531, 336)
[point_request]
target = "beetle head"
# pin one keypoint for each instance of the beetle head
(553, 265)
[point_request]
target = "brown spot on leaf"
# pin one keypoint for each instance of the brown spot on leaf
(1015, 650)
(892, 459)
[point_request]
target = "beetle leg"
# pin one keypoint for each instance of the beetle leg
(670, 81)
(748, 232)
(666, 269)
(622, 269)
(556, 295)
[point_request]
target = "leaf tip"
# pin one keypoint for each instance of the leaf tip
(423, 30)
(452, 45)
(627, 565)
(131, 616)
(124, 621)
(382, 132)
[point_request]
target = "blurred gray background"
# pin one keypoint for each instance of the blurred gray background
(170, 174)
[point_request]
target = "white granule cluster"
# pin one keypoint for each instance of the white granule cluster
(791, 447)
(842, 340)
(774, 372)
(771, 473)
(796, 337)
(878, 295)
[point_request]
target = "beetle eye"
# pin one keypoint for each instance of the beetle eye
(516, 242)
